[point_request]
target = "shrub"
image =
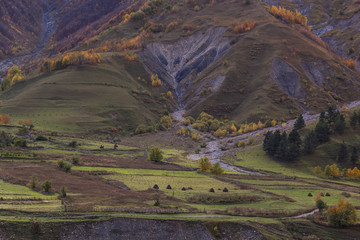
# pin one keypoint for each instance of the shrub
(65, 165)
(33, 183)
(216, 169)
(35, 228)
(317, 170)
(20, 142)
(166, 121)
(46, 186)
(204, 164)
(350, 63)
(251, 140)
(60, 163)
(241, 144)
(137, 16)
(63, 191)
(171, 26)
(41, 138)
(244, 27)
(75, 159)
(143, 129)
(220, 133)
(73, 144)
(155, 155)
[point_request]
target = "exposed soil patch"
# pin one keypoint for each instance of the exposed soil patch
(287, 78)
(89, 190)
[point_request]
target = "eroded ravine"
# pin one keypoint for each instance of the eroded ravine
(48, 28)
(178, 63)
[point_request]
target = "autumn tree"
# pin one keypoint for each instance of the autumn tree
(353, 173)
(342, 214)
(332, 171)
(14, 75)
(166, 121)
(155, 81)
(170, 96)
(6, 119)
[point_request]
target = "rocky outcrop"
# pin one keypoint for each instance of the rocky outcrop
(231, 231)
(317, 72)
(287, 78)
(122, 228)
(131, 229)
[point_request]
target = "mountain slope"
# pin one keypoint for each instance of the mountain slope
(20, 26)
(86, 98)
(269, 70)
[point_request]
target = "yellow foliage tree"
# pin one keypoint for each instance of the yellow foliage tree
(14, 75)
(317, 170)
(332, 171)
(166, 121)
(233, 128)
(155, 81)
(273, 123)
(204, 164)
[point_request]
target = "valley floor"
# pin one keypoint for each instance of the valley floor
(108, 183)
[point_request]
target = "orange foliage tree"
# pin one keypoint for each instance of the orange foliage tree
(289, 16)
(5, 119)
(350, 63)
(342, 214)
(353, 173)
(243, 27)
(170, 96)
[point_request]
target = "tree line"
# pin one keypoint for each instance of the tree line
(290, 147)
